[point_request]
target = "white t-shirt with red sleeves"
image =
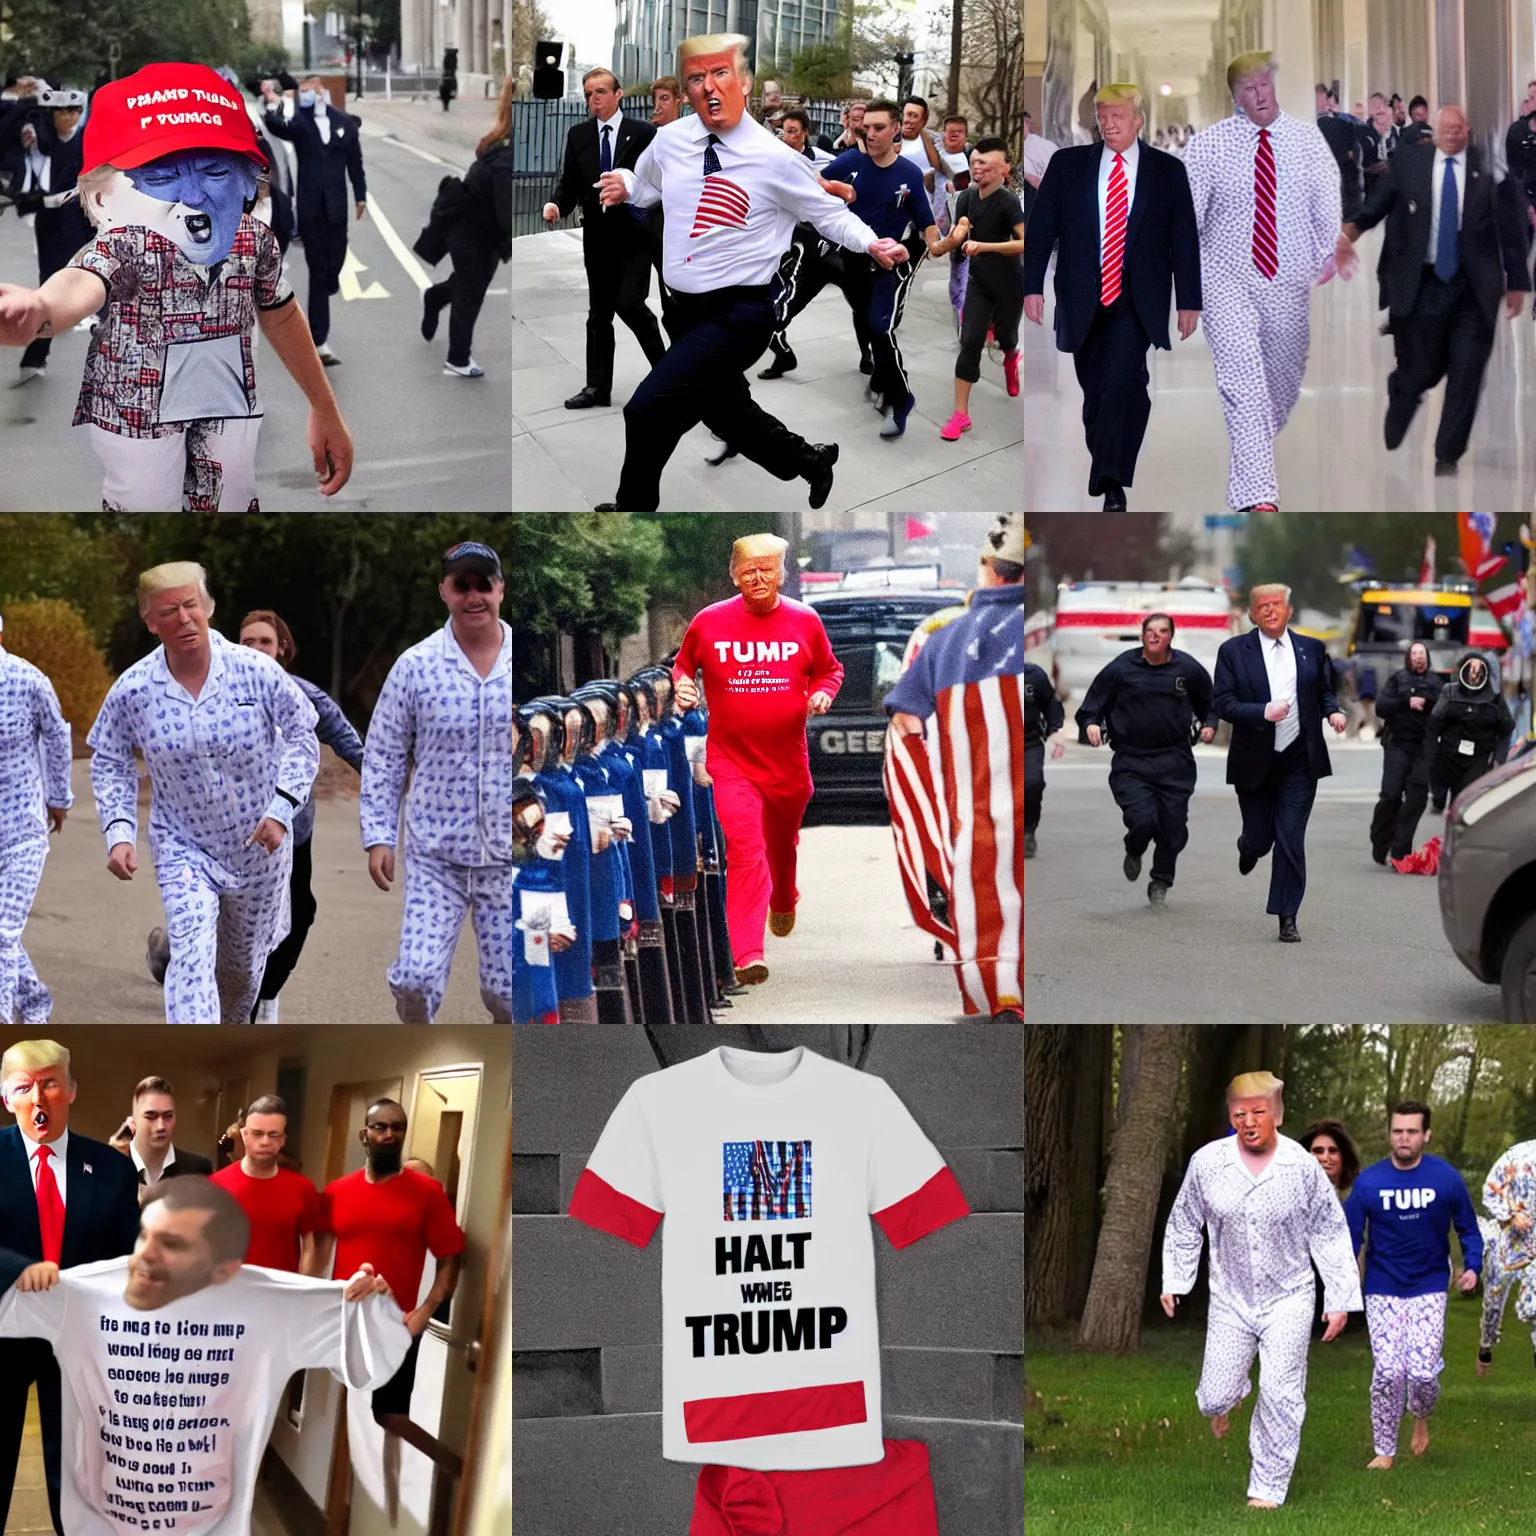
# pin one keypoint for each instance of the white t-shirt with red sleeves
(759, 673)
(767, 1167)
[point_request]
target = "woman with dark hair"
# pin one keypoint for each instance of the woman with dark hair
(1330, 1144)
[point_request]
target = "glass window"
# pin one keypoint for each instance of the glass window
(1399, 623)
(870, 670)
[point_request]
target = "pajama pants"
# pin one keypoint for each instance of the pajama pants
(959, 275)
(210, 466)
(1258, 333)
(892, 1497)
(438, 897)
(1407, 1333)
(21, 868)
(1500, 1277)
(221, 928)
(1280, 1337)
(761, 829)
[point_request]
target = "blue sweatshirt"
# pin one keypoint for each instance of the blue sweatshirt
(1410, 1214)
(889, 198)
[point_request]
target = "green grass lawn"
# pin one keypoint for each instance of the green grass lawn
(1118, 1445)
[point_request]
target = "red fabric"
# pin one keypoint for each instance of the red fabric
(893, 1497)
(281, 1209)
(597, 1203)
(1116, 204)
(392, 1225)
(1422, 861)
(939, 1202)
(756, 695)
(50, 1206)
(922, 853)
(1265, 249)
(762, 832)
(774, 1413)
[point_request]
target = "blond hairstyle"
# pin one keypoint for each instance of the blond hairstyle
(755, 545)
(1119, 95)
(715, 42)
(1268, 589)
(178, 573)
(1254, 1085)
(33, 1056)
(1246, 64)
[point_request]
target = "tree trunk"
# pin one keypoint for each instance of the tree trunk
(1130, 1071)
(1452, 1153)
(1088, 1148)
(1047, 1187)
(956, 48)
(1112, 1317)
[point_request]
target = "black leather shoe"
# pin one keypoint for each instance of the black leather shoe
(783, 362)
(1395, 428)
(1132, 866)
(1444, 468)
(1157, 893)
(821, 478)
(1114, 496)
(866, 366)
(1288, 933)
(606, 506)
(1245, 860)
(587, 398)
(1030, 845)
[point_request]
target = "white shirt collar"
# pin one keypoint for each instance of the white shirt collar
(138, 1162)
(57, 1148)
(1283, 639)
(610, 122)
(1460, 157)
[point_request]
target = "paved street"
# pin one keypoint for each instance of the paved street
(424, 441)
(569, 461)
(1096, 952)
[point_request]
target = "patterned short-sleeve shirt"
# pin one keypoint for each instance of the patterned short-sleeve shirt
(174, 342)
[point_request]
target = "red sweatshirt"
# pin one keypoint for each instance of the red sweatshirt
(758, 675)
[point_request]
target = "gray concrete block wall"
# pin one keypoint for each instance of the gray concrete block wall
(587, 1307)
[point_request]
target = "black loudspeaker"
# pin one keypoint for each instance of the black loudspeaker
(548, 77)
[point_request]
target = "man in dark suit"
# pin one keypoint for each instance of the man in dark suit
(65, 1199)
(1343, 138)
(145, 1137)
(1122, 220)
(1453, 246)
(1275, 687)
(616, 243)
(329, 150)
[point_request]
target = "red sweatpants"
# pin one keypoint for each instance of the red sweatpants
(761, 830)
(893, 1497)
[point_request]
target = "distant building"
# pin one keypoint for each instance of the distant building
(480, 29)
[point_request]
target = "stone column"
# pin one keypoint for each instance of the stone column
(1288, 34)
(1489, 104)
(1060, 72)
(1450, 60)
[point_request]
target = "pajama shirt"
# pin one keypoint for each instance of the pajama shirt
(1509, 1191)
(221, 763)
(436, 710)
(34, 774)
(1409, 1213)
(1258, 326)
(1266, 1231)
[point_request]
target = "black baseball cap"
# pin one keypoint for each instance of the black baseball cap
(471, 556)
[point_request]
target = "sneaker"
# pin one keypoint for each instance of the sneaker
(472, 371)
(781, 924)
(896, 417)
(1131, 865)
(956, 424)
(26, 375)
(888, 427)
(157, 954)
(328, 357)
(266, 1011)
(751, 975)
(1157, 893)
(1011, 372)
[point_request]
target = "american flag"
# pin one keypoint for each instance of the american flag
(722, 205)
(767, 1180)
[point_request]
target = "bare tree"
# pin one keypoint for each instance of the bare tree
(529, 24)
(994, 62)
(1047, 1187)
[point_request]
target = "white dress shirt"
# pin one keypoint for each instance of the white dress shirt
(779, 188)
(1280, 664)
(57, 1162)
(1437, 191)
(151, 1179)
(613, 138)
(1131, 159)
(1037, 154)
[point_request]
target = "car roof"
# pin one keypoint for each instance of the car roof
(850, 608)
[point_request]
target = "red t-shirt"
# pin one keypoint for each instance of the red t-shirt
(392, 1225)
(758, 675)
(281, 1210)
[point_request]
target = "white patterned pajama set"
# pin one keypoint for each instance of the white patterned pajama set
(437, 710)
(1258, 326)
(34, 773)
(1509, 1191)
(1266, 1231)
(243, 750)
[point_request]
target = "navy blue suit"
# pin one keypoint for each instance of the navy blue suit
(1275, 790)
(1109, 344)
(101, 1221)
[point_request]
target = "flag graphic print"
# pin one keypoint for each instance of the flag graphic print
(767, 1180)
(722, 205)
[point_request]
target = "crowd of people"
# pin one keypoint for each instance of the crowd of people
(231, 741)
(101, 1233)
(742, 236)
(1234, 227)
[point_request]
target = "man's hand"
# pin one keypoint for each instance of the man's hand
(1276, 709)
(1338, 720)
(1415, 702)
(381, 865)
(270, 834)
(22, 314)
(38, 1277)
(416, 1320)
(686, 692)
(1521, 1223)
(1345, 260)
(1336, 1321)
(1188, 320)
(1207, 734)
(842, 189)
(123, 860)
(601, 839)
(362, 208)
(330, 446)
(1467, 1280)
(122, 1137)
(1514, 302)
(973, 247)
(1095, 735)
(560, 942)
(819, 703)
(888, 252)
(1034, 308)
(1169, 1304)
(551, 214)
(56, 815)
(365, 1283)
(613, 191)
(269, 91)
(908, 725)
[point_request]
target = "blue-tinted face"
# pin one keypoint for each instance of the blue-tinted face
(207, 190)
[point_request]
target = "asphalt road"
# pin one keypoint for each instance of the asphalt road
(1372, 948)
(423, 441)
(87, 931)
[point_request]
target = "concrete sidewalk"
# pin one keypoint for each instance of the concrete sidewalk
(450, 136)
(569, 461)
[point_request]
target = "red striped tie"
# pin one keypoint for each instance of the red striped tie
(1265, 250)
(1114, 232)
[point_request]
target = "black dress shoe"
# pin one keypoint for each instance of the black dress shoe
(1245, 860)
(1395, 428)
(1114, 496)
(821, 477)
(1157, 893)
(783, 362)
(1132, 866)
(606, 506)
(1288, 933)
(866, 365)
(1444, 468)
(1030, 845)
(585, 399)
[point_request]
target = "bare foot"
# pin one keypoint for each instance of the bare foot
(1378, 1464)
(1420, 1442)
(1262, 1504)
(1219, 1425)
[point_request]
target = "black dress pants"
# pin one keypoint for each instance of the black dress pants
(325, 254)
(1275, 815)
(23, 1361)
(301, 899)
(618, 267)
(1034, 785)
(1152, 790)
(1112, 369)
(1397, 768)
(1445, 337)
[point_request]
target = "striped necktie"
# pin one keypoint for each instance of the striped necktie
(1265, 249)
(1115, 204)
(711, 159)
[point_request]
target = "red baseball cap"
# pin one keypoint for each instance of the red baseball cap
(164, 108)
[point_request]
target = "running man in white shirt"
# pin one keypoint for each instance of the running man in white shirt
(447, 707)
(229, 741)
(732, 193)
